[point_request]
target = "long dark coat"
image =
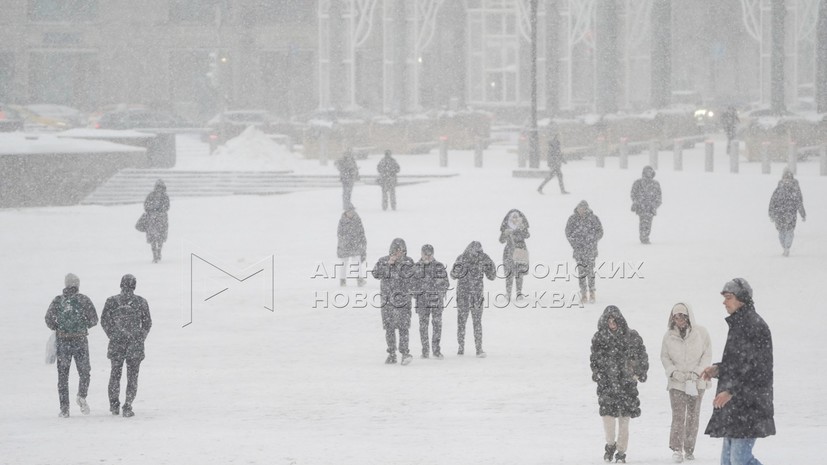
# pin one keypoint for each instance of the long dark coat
(618, 362)
(388, 168)
(554, 156)
(746, 371)
(646, 194)
(348, 169)
(156, 206)
(126, 321)
(88, 310)
(786, 203)
(351, 235)
(396, 281)
(430, 285)
(469, 270)
(583, 233)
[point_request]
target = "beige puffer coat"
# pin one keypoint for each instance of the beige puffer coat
(684, 358)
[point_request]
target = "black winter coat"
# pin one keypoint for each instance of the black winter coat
(156, 206)
(746, 371)
(430, 285)
(351, 237)
(554, 157)
(618, 362)
(786, 203)
(396, 287)
(126, 321)
(583, 233)
(87, 308)
(646, 194)
(388, 168)
(469, 270)
(348, 169)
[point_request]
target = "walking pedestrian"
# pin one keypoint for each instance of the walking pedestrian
(583, 231)
(348, 175)
(70, 315)
(469, 269)
(555, 160)
(388, 168)
(352, 246)
(786, 204)
(646, 198)
(126, 321)
(513, 233)
(430, 288)
(730, 120)
(395, 272)
(156, 207)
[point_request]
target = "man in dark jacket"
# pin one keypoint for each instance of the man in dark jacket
(395, 272)
(352, 246)
(70, 315)
(468, 270)
(431, 284)
(646, 198)
(583, 231)
(348, 174)
(388, 168)
(555, 160)
(126, 321)
(786, 204)
(744, 398)
(730, 120)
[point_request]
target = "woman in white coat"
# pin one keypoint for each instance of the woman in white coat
(685, 352)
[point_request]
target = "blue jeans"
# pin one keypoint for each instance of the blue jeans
(786, 238)
(738, 451)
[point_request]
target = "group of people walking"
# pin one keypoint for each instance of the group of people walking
(125, 320)
(388, 169)
(743, 404)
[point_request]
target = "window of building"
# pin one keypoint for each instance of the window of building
(265, 12)
(62, 10)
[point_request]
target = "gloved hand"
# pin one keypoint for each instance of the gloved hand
(679, 376)
(595, 377)
(642, 378)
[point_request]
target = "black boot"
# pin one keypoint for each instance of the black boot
(610, 452)
(620, 457)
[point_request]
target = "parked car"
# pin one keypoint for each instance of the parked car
(141, 119)
(10, 119)
(49, 117)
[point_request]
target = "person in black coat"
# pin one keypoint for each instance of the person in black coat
(156, 207)
(348, 174)
(388, 168)
(431, 284)
(646, 198)
(469, 269)
(126, 321)
(730, 120)
(70, 315)
(583, 231)
(786, 204)
(743, 404)
(395, 272)
(618, 362)
(513, 233)
(352, 246)
(555, 160)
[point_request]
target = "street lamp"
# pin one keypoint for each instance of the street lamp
(533, 135)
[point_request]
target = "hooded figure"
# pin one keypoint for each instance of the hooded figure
(583, 231)
(348, 174)
(126, 321)
(786, 204)
(156, 206)
(618, 362)
(685, 351)
(513, 233)
(469, 269)
(646, 198)
(395, 272)
(388, 168)
(352, 245)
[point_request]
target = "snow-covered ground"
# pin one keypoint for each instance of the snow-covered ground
(306, 384)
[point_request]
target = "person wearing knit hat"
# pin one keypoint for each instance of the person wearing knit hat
(70, 315)
(685, 351)
(743, 404)
(126, 321)
(430, 283)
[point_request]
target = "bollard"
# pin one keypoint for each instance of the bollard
(677, 149)
(653, 153)
(443, 151)
(624, 153)
(522, 152)
(601, 152)
(733, 156)
(709, 151)
(823, 152)
(323, 148)
(478, 153)
(766, 167)
(792, 157)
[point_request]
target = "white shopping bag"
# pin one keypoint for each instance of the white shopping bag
(51, 349)
(691, 387)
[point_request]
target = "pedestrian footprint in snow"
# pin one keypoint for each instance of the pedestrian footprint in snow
(513, 233)
(352, 247)
(786, 204)
(618, 362)
(646, 198)
(395, 273)
(388, 168)
(469, 270)
(430, 285)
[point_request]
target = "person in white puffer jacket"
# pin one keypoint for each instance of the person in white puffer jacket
(685, 352)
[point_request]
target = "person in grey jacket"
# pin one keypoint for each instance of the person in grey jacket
(156, 207)
(126, 321)
(583, 231)
(685, 351)
(431, 284)
(388, 168)
(469, 270)
(786, 204)
(70, 315)
(395, 272)
(646, 198)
